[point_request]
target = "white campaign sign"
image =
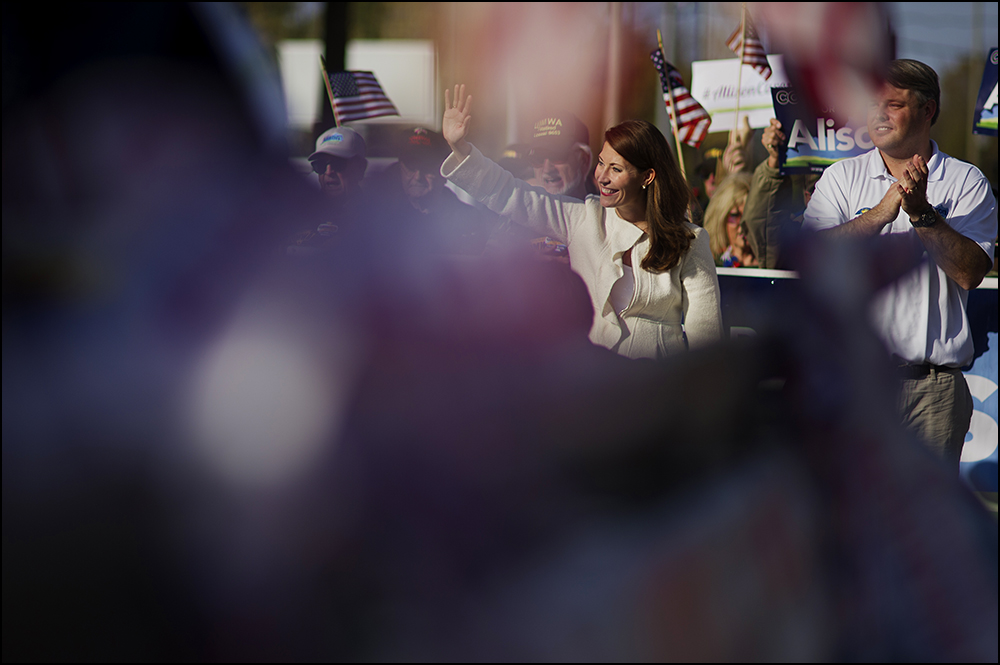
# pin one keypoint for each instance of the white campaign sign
(713, 84)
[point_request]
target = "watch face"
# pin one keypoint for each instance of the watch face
(927, 218)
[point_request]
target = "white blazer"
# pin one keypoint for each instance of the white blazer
(665, 306)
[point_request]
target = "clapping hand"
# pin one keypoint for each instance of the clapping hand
(455, 125)
(913, 186)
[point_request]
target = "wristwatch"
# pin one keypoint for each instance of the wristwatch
(927, 218)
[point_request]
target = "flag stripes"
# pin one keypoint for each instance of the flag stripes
(358, 95)
(692, 120)
(754, 53)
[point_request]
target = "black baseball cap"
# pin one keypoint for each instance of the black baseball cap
(422, 147)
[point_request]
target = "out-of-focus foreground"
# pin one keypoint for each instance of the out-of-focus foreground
(211, 452)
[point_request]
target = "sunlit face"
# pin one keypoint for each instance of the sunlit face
(896, 118)
(420, 180)
(619, 182)
(560, 173)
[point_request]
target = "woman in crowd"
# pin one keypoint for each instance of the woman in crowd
(649, 272)
(723, 221)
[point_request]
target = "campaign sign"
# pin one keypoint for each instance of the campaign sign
(985, 119)
(814, 142)
(715, 83)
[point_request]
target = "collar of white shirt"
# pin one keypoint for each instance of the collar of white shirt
(935, 167)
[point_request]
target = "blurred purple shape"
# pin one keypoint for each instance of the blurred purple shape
(494, 487)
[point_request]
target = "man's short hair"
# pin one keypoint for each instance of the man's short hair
(918, 77)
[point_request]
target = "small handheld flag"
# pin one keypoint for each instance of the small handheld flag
(692, 120)
(753, 52)
(357, 96)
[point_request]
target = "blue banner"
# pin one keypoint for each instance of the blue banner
(814, 142)
(985, 119)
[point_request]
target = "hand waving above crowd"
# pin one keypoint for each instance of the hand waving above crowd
(455, 124)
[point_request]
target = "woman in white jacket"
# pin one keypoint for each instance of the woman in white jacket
(650, 273)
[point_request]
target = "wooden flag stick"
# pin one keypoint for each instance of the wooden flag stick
(739, 75)
(329, 90)
(672, 111)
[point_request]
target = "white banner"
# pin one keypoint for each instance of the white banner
(713, 84)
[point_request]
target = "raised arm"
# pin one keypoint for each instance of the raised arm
(773, 140)
(497, 189)
(455, 124)
(771, 202)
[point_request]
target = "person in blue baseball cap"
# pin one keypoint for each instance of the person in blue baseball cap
(340, 161)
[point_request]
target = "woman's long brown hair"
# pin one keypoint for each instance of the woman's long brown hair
(644, 147)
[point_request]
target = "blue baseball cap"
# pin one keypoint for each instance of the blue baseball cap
(340, 142)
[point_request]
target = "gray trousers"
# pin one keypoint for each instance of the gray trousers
(938, 409)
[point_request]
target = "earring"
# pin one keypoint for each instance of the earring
(644, 187)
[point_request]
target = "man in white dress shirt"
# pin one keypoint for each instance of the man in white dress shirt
(946, 210)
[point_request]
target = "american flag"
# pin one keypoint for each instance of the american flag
(692, 120)
(357, 95)
(754, 53)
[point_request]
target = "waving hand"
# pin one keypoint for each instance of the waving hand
(455, 125)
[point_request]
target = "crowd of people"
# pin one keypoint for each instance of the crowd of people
(632, 228)
(247, 418)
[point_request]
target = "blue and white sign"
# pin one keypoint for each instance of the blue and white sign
(985, 119)
(814, 142)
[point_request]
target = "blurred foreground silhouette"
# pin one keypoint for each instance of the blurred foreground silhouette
(212, 451)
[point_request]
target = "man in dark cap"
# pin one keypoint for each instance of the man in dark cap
(561, 155)
(417, 204)
(421, 152)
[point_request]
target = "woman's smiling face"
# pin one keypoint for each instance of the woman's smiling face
(620, 183)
